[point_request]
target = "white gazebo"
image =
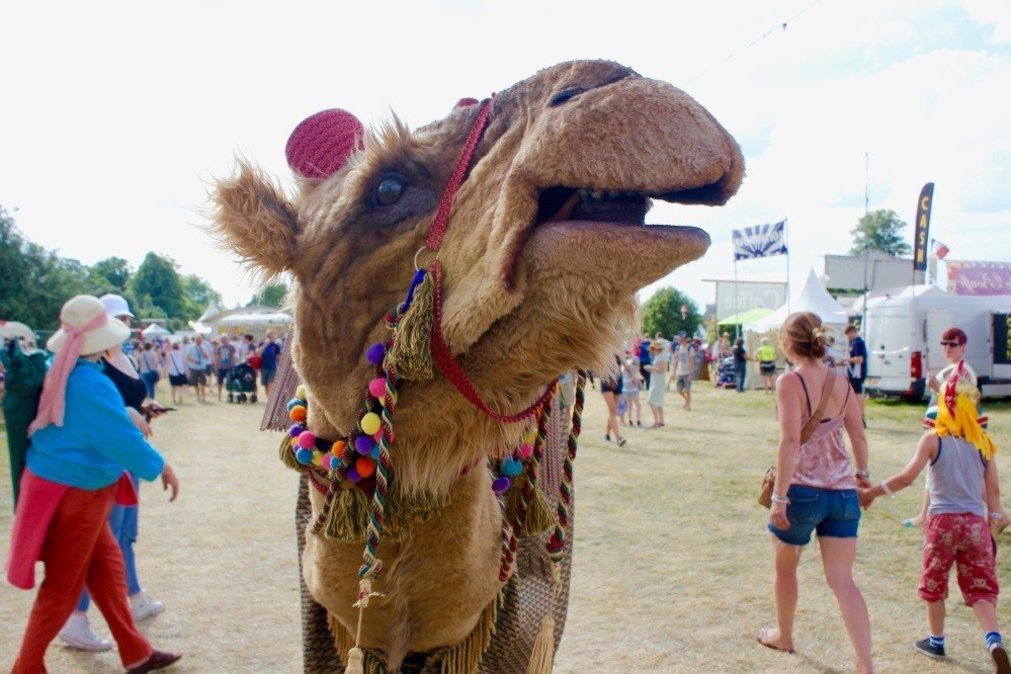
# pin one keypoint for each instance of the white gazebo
(814, 298)
(155, 331)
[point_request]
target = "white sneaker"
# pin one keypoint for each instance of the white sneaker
(77, 634)
(145, 607)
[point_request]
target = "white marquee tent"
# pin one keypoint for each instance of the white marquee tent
(154, 331)
(814, 298)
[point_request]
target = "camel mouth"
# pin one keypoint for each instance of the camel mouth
(620, 209)
(614, 207)
(617, 207)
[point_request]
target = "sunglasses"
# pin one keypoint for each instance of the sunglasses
(951, 344)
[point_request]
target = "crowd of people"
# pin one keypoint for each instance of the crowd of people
(646, 366)
(87, 411)
(77, 483)
(192, 365)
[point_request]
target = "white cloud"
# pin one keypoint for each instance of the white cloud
(110, 135)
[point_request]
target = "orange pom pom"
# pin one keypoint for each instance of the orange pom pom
(365, 466)
(339, 449)
(298, 413)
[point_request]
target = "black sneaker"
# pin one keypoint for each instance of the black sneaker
(1001, 662)
(924, 646)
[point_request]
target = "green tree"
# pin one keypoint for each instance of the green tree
(199, 294)
(115, 272)
(158, 278)
(879, 231)
(15, 305)
(271, 295)
(663, 313)
(35, 282)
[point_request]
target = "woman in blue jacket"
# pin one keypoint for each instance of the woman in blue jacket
(82, 443)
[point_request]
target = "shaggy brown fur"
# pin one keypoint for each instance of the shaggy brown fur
(526, 296)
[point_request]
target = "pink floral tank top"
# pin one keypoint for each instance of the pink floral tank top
(823, 461)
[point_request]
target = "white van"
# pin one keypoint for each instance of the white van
(903, 335)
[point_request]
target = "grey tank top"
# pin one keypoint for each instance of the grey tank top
(955, 478)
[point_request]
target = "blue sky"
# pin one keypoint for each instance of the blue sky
(117, 115)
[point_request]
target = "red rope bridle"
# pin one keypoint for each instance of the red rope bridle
(441, 353)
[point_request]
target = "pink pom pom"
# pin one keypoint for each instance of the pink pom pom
(466, 102)
(377, 387)
(525, 450)
(307, 439)
(320, 145)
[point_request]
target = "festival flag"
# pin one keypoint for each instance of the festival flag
(940, 250)
(760, 241)
(922, 225)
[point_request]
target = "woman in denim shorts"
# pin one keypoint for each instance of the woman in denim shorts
(815, 488)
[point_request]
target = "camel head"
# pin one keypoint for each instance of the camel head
(545, 247)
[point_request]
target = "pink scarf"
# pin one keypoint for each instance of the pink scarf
(54, 388)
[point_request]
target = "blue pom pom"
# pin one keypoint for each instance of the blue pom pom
(334, 463)
(295, 401)
(375, 452)
(304, 456)
(512, 467)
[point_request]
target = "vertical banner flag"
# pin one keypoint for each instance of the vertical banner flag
(760, 241)
(922, 225)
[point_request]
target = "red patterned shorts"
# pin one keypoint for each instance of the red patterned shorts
(962, 539)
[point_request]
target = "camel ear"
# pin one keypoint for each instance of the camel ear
(253, 218)
(321, 144)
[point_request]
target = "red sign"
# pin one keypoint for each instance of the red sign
(979, 278)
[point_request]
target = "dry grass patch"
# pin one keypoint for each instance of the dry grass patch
(672, 570)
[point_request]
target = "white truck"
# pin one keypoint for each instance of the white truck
(902, 332)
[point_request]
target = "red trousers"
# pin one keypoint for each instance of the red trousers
(80, 551)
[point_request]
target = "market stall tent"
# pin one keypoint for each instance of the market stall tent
(155, 331)
(814, 298)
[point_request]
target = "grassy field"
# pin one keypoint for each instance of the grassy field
(672, 570)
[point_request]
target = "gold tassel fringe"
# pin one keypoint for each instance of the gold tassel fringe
(410, 355)
(542, 656)
(463, 658)
(348, 519)
(286, 455)
(538, 517)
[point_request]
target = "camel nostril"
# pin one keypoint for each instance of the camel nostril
(565, 94)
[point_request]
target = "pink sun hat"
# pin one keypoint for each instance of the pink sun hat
(85, 329)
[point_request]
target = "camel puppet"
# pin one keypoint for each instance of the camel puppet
(443, 278)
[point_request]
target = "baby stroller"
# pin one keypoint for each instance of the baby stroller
(726, 373)
(241, 380)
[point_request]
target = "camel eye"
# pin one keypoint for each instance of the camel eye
(389, 190)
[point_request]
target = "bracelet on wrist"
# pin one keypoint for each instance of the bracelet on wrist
(865, 474)
(996, 514)
(776, 498)
(884, 488)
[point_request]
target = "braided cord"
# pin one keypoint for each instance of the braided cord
(373, 566)
(556, 545)
(450, 368)
(533, 466)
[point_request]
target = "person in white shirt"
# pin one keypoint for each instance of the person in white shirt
(197, 362)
